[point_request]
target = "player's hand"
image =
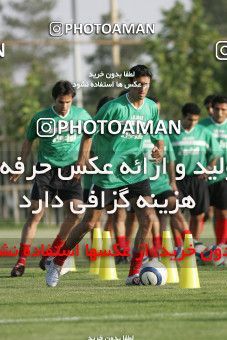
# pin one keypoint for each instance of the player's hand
(174, 186)
(79, 165)
(203, 176)
(14, 178)
(157, 154)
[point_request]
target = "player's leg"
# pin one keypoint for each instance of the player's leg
(221, 225)
(154, 239)
(27, 236)
(76, 235)
(200, 194)
(218, 198)
(109, 225)
(131, 225)
(197, 225)
(198, 189)
(177, 220)
(119, 218)
(146, 218)
(70, 220)
(71, 194)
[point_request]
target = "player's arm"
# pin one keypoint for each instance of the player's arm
(25, 152)
(209, 167)
(213, 154)
(158, 149)
(172, 175)
(84, 153)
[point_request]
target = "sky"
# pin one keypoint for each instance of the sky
(90, 11)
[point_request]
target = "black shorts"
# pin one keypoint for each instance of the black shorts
(218, 194)
(198, 189)
(135, 190)
(51, 183)
(163, 196)
(86, 193)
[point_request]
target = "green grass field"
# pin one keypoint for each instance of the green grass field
(83, 306)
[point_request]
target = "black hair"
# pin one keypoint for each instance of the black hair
(140, 71)
(103, 101)
(63, 88)
(190, 108)
(209, 99)
(219, 100)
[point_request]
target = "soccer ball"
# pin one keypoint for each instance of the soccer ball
(153, 273)
(217, 259)
(199, 248)
(210, 253)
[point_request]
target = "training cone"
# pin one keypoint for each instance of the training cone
(189, 277)
(96, 244)
(69, 265)
(107, 270)
(170, 264)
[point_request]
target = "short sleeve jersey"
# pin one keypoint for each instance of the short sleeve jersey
(161, 184)
(58, 149)
(219, 132)
(118, 148)
(196, 145)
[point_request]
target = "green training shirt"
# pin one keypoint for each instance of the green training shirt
(219, 131)
(56, 149)
(196, 145)
(128, 148)
(162, 183)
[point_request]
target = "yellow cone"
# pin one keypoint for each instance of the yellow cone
(96, 244)
(189, 277)
(107, 269)
(171, 266)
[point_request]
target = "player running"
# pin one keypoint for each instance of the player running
(116, 149)
(59, 150)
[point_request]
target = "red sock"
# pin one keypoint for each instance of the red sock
(59, 260)
(121, 241)
(185, 232)
(157, 246)
(157, 242)
(57, 244)
(152, 252)
(201, 227)
(221, 230)
(136, 262)
(24, 252)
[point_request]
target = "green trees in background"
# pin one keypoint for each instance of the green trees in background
(35, 65)
(216, 13)
(101, 60)
(183, 58)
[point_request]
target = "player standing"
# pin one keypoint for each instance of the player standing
(195, 144)
(217, 125)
